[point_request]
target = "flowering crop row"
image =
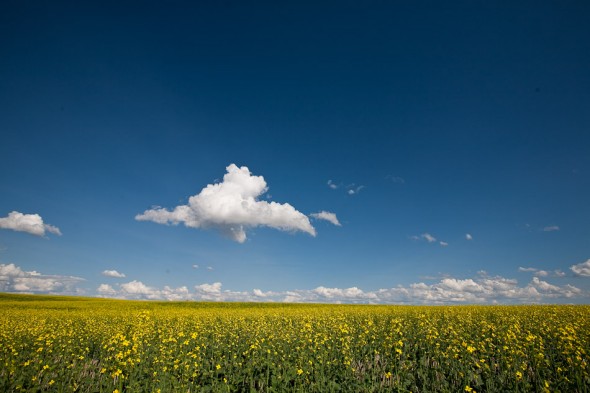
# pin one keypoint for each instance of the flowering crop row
(89, 345)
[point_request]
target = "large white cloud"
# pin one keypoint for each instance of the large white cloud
(14, 279)
(30, 223)
(232, 207)
(582, 269)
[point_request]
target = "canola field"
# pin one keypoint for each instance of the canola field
(90, 345)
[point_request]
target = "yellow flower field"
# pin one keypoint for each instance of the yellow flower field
(92, 345)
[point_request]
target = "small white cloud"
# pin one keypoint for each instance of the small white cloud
(137, 288)
(428, 237)
(581, 269)
(444, 244)
(231, 207)
(210, 268)
(258, 293)
(352, 190)
(527, 269)
(113, 273)
(209, 289)
(195, 266)
(327, 216)
(551, 228)
(559, 273)
(106, 290)
(29, 223)
(468, 236)
(332, 185)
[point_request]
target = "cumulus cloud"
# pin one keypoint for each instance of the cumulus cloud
(106, 290)
(444, 244)
(551, 228)
(14, 279)
(195, 266)
(327, 216)
(113, 273)
(29, 223)
(332, 185)
(468, 236)
(232, 207)
(581, 269)
(136, 288)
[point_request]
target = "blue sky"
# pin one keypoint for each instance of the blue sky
(413, 123)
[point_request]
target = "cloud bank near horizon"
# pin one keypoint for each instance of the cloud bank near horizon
(481, 289)
(14, 279)
(232, 207)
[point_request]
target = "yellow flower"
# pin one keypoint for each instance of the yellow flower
(518, 375)
(51, 382)
(469, 389)
(217, 367)
(299, 371)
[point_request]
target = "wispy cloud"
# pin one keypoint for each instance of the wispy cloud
(551, 228)
(468, 236)
(327, 216)
(428, 237)
(195, 266)
(425, 236)
(541, 273)
(353, 189)
(113, 273)
(231, 207)
(581, 269)
(29, 223)
(395, 179)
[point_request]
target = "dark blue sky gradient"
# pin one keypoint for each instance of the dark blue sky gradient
(483, 108)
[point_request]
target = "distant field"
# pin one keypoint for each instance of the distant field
(91, 345)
